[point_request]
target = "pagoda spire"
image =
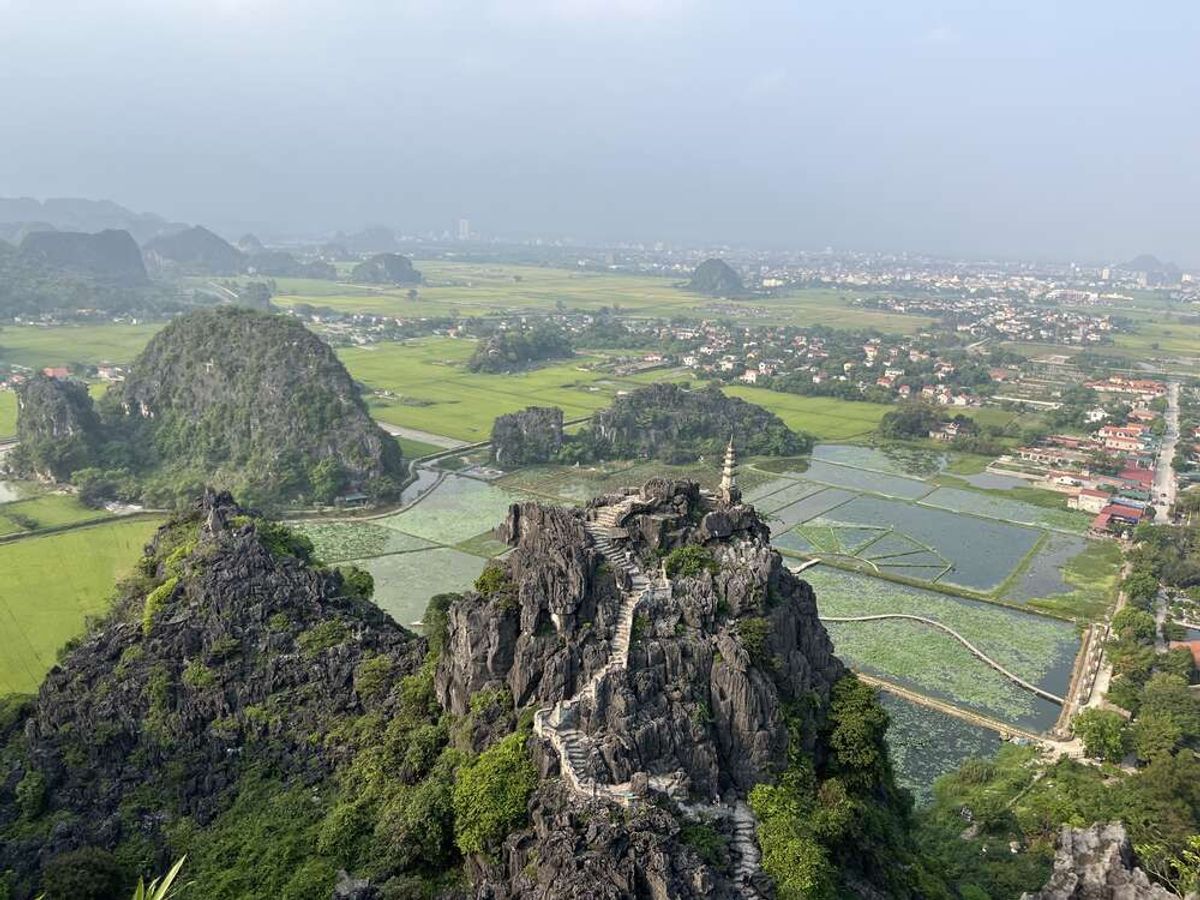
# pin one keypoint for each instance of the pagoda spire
(730, 492)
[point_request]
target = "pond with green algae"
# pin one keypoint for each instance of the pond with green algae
(926, 744)
(927, 660)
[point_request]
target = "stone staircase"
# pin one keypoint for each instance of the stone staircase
(559, 723)
(745, 849)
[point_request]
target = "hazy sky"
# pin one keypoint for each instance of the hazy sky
(1065, 129)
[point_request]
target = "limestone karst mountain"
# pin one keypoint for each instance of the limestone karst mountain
(109, 255)
(233, 397)
(716, 278)
(638, 700)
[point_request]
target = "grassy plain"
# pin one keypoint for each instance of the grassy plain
(46, 511)
(472, 289)
(37, 347)
(825, 417)
(8, 414)
(51, 583)
(435, 392)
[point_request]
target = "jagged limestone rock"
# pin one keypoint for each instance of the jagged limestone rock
(1097, 863)
(532, 435)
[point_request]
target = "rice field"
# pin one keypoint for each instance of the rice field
(826, 418)
(51, 584)
(404, 582)
(343, 541)
(46, 511)
(458, 510)
(8, 414)
(992, 506)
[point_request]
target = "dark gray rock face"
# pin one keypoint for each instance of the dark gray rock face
(532, 435)
(592, 851)
(1097, 863)
(711, 666)
(514, 642)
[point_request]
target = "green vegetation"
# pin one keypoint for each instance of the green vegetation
(826, 418)
(8, 412)
(1015, 798)
(513, 350)
(820, 827)
(689, 561)
(1036, 648)
(491, 794)
(41, 614)
(231, 398)
(45, 512)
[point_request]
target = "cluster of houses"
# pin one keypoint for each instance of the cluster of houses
(14, 376)
(1109, 473)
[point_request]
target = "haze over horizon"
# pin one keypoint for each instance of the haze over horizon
(1027, 129)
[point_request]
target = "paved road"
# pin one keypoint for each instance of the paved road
(1164, 474)
(425, 437)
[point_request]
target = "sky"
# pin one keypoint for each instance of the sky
(1063, 130)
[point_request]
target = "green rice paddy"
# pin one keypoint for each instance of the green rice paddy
(51, 584)
(8, 414)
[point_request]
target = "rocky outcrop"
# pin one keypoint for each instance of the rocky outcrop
(716, 278)
(227, 650)
(386, 268)
(676, 424)
(574, 851)
(1097, 863)
(195, 251)
(533, 435)
(57, 427)
(246, 397)
(109, 255)
(691, 707)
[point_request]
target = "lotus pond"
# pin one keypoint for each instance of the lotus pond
(927, 744)
(1037, 648)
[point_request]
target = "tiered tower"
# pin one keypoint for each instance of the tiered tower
(730, 493)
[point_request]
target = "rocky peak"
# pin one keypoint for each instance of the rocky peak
(659, 640)
(1097, 863)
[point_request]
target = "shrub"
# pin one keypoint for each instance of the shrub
(373, 676)
(491, 794)
(494, 584)
(88, 873)
(30, 794)
(708, 843)
(321, 637)
(753, 633)
(359, 583)
(690, 560)
(198, 676)
(156, 600)
(1102, 732)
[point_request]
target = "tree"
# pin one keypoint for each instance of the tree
(1102, 732)
(1155, 734)
(1134, 624)
(1140, 586)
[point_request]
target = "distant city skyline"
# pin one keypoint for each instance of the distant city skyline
(1018, 130)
